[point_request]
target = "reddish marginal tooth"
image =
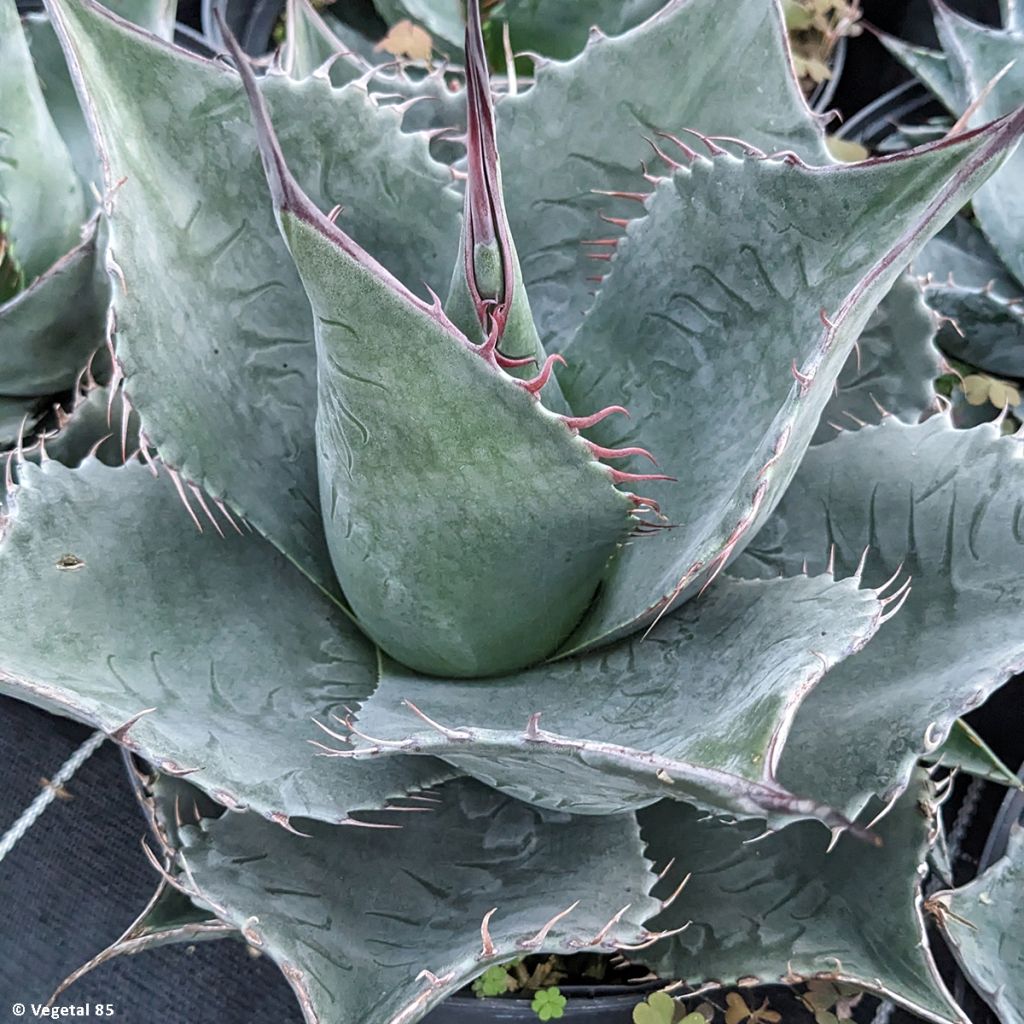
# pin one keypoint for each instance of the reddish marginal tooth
(747, 148)
(690, 154)
(507, 362)
(619, 477)
(803, 379)
(489, 347)
(585, 422)
(599, 256)
(619, 222)
(787, 156)
(708, 143)
(639, 197)
(536, 383)
(642, 502)
(662, 155)
(600, 241)
(619, 453)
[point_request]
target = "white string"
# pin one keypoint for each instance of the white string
(32, 813)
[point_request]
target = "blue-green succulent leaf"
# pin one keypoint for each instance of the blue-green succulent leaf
(966, 281)
(96, 422)
(309, 43)
(487, 291)
(962, 252)
(49, 330)
(990, 64)
(698, 710)
(156, 16)
(932, 67)
(787, 907)
(61, 98)
(439, 473)
(381, 926)
(892, 367)
(965, 751)
(562, 141)
(983, 328)
(221, 365)
(983, 922)
(746, 283)
(205, 654)
(168, 918)
(15, 414)
(560, 28)
(944, 506)
(42, 206)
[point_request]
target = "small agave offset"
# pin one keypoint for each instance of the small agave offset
(360, 521)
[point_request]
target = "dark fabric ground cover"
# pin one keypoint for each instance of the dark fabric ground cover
(77, 880)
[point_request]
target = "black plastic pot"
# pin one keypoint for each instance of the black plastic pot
(604, 1004)
(908, 103)
(820, 100)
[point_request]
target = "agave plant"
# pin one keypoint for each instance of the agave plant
(365, 552)
(976, 271)
(53, 290)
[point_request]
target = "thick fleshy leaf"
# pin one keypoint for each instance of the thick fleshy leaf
(378, 927)
(983, 922)
(562, 139)
(61, 98)
(169, 918)
(966, 281)
(932, 67)
(1013, 14)
(433, 103)
(218, 643)
(746, 284)
(892, 367)
(221, 365)
(439, 473)
(990, 63)
(156, 16)
(699, 710)
(965, 751)
(985, 330)
(946, 506)
(560, 28)
(962, 252)
(309, 43)
(49, 330)
(786, 909)
(41, 202)
(357, 29)
(96, 422)
(429, 101)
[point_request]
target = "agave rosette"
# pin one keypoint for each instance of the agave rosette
(362, 551)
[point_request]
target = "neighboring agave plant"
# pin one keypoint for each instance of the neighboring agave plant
(53, 290)
(405, 526)
(976, 273)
